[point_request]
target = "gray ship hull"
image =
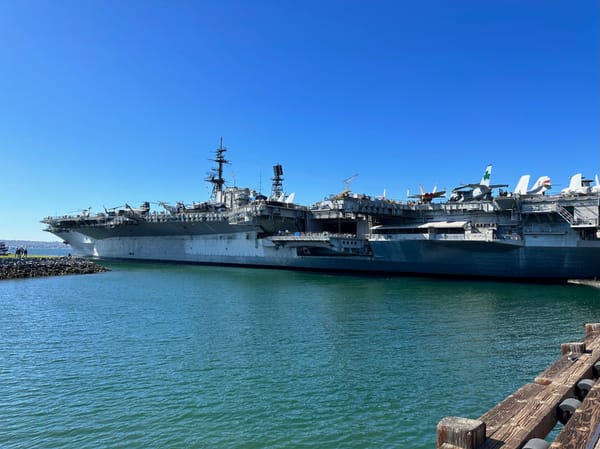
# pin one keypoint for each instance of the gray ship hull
(489, 259)
(420, 257)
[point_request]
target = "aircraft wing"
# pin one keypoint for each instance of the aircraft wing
(474, 186)
(466, 186)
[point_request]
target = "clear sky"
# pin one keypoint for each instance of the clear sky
(112, 101)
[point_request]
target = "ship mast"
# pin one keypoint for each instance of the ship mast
(277, 186)
(216, 177)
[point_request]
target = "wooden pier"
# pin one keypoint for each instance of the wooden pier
(568, 391)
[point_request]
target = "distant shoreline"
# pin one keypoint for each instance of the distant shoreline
(35, 244)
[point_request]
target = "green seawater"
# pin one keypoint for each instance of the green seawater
(174, 356)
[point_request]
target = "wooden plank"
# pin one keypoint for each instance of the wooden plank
(551, 373)
(583, 429)
(592, 342)
(535, 419)
(505, 410)
(568, 369)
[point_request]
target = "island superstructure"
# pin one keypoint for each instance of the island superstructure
(519, 235)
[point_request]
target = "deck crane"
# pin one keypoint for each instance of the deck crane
(347, 182)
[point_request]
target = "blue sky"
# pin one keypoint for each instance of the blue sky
(107, 102)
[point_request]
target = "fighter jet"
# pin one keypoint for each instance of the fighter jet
(475, 192)
(427, 197)
(540, 187)
(577, 186)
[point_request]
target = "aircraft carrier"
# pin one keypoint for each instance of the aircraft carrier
(525, 234)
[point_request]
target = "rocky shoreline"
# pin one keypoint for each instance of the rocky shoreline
(19, 268)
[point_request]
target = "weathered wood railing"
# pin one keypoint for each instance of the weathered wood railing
(567, 392)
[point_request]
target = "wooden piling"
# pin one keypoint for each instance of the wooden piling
(460, 433)
(573, 348)
(532, 411)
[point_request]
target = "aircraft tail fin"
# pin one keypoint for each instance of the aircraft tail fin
(596, 188)
(521, 188)
(575, 182)
(485, 180)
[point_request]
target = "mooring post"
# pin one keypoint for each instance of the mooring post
(592, 328)
(573, 348)
(460, 433)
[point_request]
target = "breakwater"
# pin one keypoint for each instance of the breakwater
(16, 268)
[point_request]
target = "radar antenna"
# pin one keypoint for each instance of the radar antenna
(216, 177)
(277, 186)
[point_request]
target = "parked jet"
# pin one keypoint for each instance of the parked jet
(427, 197)
(474, 192)
(382, 197)
(596, 188)
(290, 198)
(540, 187)
(522, 185)
(577, 186)
(180, 207)
(142, 210)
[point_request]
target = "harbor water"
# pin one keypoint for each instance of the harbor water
(178, 356)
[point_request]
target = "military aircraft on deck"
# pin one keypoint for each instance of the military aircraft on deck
(596, 188)
(475, 192)
(540, 187)
(427, 197)
(578, 185)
